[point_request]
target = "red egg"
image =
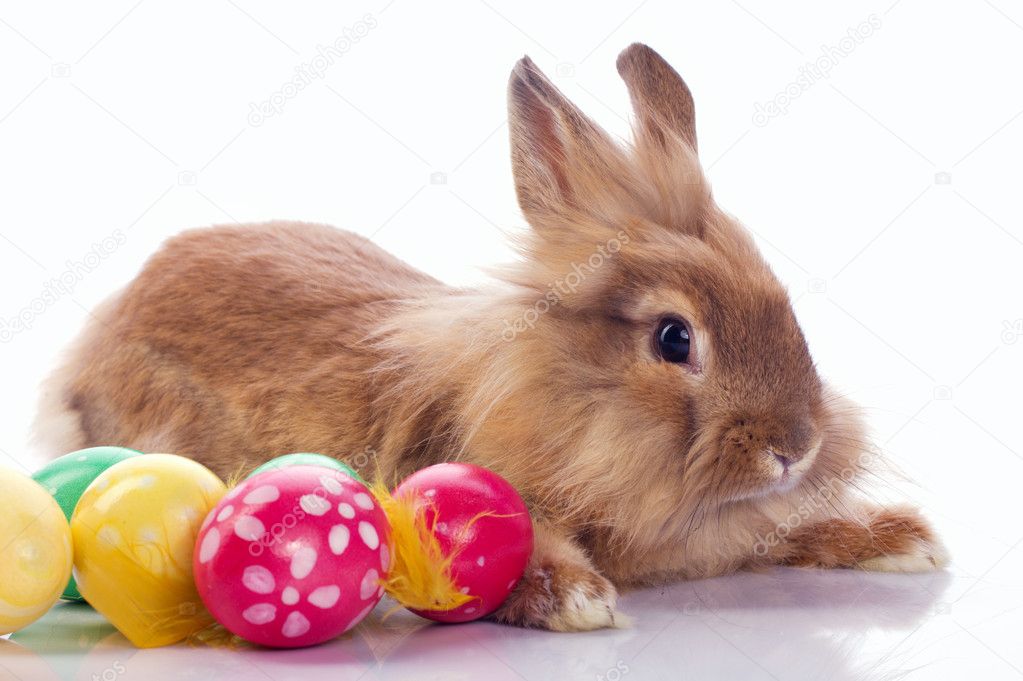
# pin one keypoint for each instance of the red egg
(492, 552)
(293, 556)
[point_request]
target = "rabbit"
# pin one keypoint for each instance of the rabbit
(639, 375)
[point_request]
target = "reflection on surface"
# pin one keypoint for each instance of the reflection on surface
(783, 624)
(18, 663)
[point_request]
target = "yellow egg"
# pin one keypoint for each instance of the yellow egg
(134, 531)
(35, 551)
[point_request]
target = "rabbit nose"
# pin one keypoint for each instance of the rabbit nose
(786, 459)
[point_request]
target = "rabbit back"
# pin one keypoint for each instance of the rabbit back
(230, 342)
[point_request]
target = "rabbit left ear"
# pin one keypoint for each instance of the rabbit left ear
(562, 161)
(660, 97)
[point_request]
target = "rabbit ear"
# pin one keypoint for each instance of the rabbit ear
(559, 156)
(660, 97)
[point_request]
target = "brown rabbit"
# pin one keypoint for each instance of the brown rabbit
(640, 376)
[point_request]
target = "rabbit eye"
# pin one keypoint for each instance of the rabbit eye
(672, 341)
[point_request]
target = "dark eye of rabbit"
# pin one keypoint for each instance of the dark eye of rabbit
(673, 341)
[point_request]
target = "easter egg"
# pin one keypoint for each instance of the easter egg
(293, 556)
(35, 551)
(65, 478)
(134, 530)
(480, 518)
(306, 459)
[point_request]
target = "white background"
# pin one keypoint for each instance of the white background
(886, 196)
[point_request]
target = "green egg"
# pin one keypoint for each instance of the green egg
(67, 477)
(307, 459)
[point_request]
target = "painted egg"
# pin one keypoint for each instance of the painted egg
(65, 478)
(35, 551)
(306, 459)
(134, 530)
(491, 550)
(293, 556)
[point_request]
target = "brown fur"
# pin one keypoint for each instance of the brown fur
(238, 343)
(839, 542)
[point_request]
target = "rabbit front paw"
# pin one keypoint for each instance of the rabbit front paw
(883, 540)
(562, 597)
(911, 545)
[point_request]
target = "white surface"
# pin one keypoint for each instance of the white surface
(887, 197)
(787, 624)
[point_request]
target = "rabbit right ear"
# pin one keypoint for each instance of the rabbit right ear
(562, 161)
(662, 100)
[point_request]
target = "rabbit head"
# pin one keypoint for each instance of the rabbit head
(660, 330)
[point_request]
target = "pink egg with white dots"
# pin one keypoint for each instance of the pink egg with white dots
(293, 556)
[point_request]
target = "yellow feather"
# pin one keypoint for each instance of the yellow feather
(420, 574)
